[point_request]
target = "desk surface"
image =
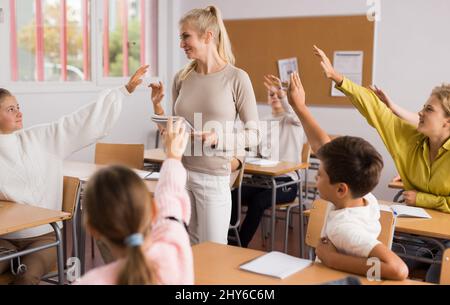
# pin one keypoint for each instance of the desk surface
(438, 226)
(83, 171)
(219, 265)
(16, 217)
(158, 156)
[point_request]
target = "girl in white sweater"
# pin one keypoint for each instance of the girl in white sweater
(31, 165)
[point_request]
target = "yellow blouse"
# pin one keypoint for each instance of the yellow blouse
(408, 148)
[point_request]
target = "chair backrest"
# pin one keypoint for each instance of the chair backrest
(445, 271)
(70, 194)
(131, 155)
(387, 221)
(306, 152)
(317, 219)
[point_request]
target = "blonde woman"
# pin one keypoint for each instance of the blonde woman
(214, 92)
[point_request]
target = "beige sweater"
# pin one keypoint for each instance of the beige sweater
(214, 101)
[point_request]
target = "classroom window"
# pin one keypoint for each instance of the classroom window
(53, 40)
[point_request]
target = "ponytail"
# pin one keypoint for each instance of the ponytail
(136, 269)
(209, 19)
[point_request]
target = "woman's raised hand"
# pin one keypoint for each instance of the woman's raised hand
(136, 79)
(157, 93)
(381, 95)
(327, 67)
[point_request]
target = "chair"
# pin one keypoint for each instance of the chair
(287, 207)
(71, 189)
(445, 269)
(131, 155)
(317, 219)
(236, 183)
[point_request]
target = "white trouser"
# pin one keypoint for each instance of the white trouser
(211, 207)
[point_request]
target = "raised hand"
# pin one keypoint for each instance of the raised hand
(296, 92)
(157, 93)
(273, 85)
(176, 139)
(136, 79)
(327, 67)
(382, 96)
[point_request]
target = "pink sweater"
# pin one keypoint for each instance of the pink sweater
(170, 250)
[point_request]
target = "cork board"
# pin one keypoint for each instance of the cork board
(258, 44)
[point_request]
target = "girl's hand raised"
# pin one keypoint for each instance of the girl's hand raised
(136, 79)
(176, 139)
(327, 67)
(273, 85)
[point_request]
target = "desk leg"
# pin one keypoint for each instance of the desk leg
(59, 252)
(301, 218)
(272, 223)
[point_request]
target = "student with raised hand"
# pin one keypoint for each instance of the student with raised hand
(350, 169)
(288, 143)
(147, 238)
(31, 165)
(211, 93)
(421, 154)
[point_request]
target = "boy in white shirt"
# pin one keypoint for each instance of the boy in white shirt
(350, 169)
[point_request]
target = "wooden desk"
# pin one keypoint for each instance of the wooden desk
(154, 156)
(216, 264)
(83, 171)
(158, 156)
(436, 227)
(16, 217)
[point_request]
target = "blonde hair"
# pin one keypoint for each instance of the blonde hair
(117, 206)
(442, 92)
(208, 19)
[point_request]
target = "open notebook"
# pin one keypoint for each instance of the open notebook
(276, 264)
(401, 210)
(260, 162)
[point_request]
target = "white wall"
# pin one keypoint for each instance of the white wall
(411, 54)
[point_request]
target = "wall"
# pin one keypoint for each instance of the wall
(411, 55)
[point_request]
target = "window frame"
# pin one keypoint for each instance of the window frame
(98, 81)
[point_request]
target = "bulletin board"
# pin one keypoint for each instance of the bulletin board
(258, 44)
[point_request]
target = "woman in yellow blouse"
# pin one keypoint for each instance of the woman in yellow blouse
(420, 149)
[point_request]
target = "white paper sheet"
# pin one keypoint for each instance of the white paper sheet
(276, 264)
(350, 64)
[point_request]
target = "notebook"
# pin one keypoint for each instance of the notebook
(147, 175)
(261, 162)
(276, 264)
(162, 120)
(401, 210)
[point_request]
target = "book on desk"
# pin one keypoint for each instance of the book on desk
(402, 210)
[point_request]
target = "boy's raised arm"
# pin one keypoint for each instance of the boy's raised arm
(297, 97)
